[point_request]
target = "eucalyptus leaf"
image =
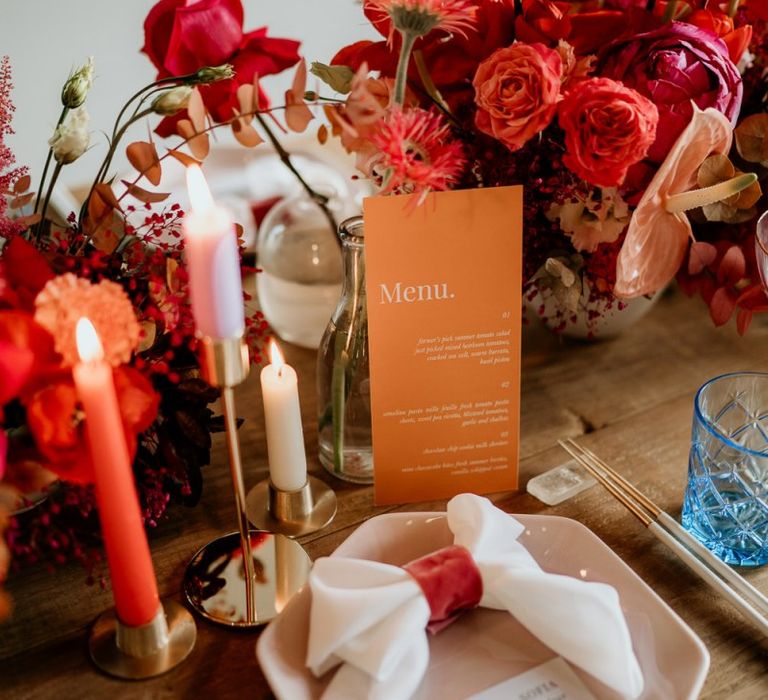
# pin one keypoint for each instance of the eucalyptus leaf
(338, 78)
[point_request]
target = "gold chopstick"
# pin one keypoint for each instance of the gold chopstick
(756, 598)
(750, 601)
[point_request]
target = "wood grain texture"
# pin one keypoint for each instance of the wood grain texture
(629, 398)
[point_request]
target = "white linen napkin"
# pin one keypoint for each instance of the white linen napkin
(369, 618)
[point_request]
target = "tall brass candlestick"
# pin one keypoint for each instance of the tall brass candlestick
(214, 583)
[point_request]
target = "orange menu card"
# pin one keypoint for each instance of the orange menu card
(444, 315)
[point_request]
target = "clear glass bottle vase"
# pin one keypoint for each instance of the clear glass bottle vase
(344, 399)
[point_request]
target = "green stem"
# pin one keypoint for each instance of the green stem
(669, 11)
(285, 158)
(54, 177)
(338, 401)
(401, 77)
(733, 7)
(102, 172)
(48, 159)
(429, 85)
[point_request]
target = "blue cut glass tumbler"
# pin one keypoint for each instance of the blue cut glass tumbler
(726, 500)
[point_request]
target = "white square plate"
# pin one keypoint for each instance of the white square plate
(485, 647)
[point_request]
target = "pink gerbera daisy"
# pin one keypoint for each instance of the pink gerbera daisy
(419, 17)
(416, 152)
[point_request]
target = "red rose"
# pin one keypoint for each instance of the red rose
(608, 128)
(180, 37)
(516, 92)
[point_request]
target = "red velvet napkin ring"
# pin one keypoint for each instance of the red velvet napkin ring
(451, 583)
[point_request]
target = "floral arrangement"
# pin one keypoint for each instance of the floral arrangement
(637, 127)
(119, 261)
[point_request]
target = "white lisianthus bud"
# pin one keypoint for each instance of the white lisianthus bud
(169, 102)
(212, 74)
(70, 140)
(78, 84)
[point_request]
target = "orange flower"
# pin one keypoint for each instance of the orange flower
(67, 298)
(517, 90)
(422, 16)
(56, 422)
(720, 23)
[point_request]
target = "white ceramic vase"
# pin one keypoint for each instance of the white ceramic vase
(593, 320)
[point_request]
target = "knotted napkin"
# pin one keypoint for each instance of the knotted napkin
(370, 618)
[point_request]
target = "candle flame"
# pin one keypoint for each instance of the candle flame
(199, 195)
(88, 344)
(276, 357)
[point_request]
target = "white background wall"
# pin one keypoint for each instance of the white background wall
(45, 39)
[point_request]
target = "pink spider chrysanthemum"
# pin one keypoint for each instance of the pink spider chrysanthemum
(416, 152)
(420, 17)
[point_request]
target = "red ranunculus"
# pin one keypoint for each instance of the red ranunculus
(59, 433)
(182, 36)
(608, 128)
(675, 66)
(516, 91)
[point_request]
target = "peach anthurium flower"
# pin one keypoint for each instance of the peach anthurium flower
(658, 233)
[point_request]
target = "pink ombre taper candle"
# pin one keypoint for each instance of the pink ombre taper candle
(130, 565)
(213, 263)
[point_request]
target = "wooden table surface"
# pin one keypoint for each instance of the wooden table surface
(629, 399)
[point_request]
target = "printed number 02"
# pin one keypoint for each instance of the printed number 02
(505, 385)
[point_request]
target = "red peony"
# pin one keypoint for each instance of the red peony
(516, 92)
(608, 128)
(182, 36)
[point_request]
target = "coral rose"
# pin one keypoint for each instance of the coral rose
(516, 92)
(675, 66)
(608, 127)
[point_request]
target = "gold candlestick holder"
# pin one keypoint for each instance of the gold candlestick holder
(135, 653)
(233, 580)
(291, 513)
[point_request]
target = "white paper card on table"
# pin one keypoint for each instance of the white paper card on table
(553, 680)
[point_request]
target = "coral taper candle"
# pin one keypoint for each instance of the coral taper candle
(213, 262)
(130, 564)
(282, 415)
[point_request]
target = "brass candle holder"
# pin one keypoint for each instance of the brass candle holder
(291, 513)
(135, 653)
(215, 584)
